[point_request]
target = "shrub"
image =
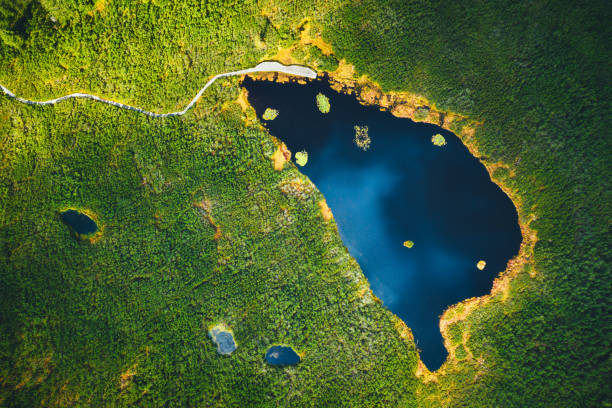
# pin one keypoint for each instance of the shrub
(362, 138)
(323, 103)
(301, 158)
(438, 140)
(322, 61)
(270, 114)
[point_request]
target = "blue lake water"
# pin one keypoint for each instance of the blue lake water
(282, 356)
(402, 188)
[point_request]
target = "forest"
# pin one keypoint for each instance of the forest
(198, 228)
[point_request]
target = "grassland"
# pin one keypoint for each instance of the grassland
(199, 228)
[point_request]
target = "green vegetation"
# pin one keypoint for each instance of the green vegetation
(460, 352)
(199, 229)
(301, 158)
(321, 61)
(269, 114)
(362, 137)
(438, 140)
(323, 103)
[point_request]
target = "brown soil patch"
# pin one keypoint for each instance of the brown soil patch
(279, 77)
(325, 210)
(284, 56)
(204, 205)
(403, 110)
(243, 100)
(468, 132)
(424, 374)
(306, 38)
(218, 234)
(280, 157)
(370, 95)
(126, 378)
(344, 70)
(326, 48)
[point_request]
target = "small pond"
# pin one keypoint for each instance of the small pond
(403, 188)
(282, 356)
(223, 338)
(79, 222)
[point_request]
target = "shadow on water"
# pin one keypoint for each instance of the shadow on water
(402, 188)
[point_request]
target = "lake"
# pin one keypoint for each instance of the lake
(403, 188)
(79, 222)
(282, 356)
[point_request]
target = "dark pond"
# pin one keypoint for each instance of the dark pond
(402, 188)
(79, 222)
(281, 356)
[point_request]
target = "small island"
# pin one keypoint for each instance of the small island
(301, 158)
(323, 103)
(438, 140)
(362, 137)
(270, 114)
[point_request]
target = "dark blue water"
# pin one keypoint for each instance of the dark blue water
(402, 188)
(281, 356)
(79, 222)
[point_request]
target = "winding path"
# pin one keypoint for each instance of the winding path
(267, 66)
